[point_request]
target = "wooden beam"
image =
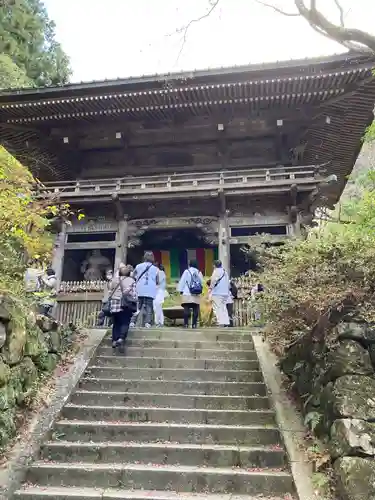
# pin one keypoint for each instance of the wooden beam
(118, 206)
(90, 245)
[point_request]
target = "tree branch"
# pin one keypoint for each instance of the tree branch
(276, 9)
(185, 29)
(352, 39)
(341, 10)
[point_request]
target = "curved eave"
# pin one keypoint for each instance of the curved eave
(304, 83)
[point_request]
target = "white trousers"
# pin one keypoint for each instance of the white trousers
(158, 308)
(219, 303)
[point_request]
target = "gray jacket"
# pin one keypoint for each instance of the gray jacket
(114, 288)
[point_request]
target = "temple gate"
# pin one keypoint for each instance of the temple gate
(220, 156)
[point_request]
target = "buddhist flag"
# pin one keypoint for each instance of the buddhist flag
(176, 261)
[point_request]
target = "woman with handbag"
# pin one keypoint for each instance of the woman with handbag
(122, 305)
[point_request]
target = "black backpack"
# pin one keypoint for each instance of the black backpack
(195, 286)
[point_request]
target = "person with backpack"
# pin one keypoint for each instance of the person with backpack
(146, 276)
(233, 294)
(122, 302)
(190, 287)
(220, 292)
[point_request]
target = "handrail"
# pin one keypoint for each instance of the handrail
(227, 178)
(214, 169)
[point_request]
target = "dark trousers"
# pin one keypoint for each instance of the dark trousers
(230, 308)
(146, 310)
(191, 309)
(120, 326)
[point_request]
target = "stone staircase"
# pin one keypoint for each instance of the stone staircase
(183, 414)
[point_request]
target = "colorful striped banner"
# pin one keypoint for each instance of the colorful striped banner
(176, 261)
(209, 260)
(166, 261)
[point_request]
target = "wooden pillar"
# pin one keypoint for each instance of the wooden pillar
(58, 254)
(224, 236)
(122, 238)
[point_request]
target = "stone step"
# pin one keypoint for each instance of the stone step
(185, 344)
(209, 335)
(168, 415)
(84, 431)
(61, 493)
(156, 352)
(198, 401)
(177, 375)
(172, 387)
(175, 478)
(174, 363)
(165, 454)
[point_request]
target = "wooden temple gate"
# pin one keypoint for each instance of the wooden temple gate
(229, 153)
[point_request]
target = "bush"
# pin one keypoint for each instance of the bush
(333, 268)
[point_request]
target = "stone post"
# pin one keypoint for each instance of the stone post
(294, 228)
(122, 238)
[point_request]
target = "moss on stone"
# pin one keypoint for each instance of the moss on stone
(14, 347)
(35, 343)
(355, 478)
(7, 426)
(28, 372)
(351, 396)
(53, 341)
(4, 398)
(47, 362)
(15, 385)
(4, 372)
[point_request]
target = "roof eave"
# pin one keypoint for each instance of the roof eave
(196, 76)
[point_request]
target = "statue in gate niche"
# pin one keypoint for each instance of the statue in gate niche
(95, 266)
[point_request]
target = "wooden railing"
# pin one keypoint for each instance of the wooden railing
(83, 309)
(80, 303)
(277, 176)
(70, 287)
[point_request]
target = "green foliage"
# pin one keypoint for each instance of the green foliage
(305, 279)
(27, 36)
(11, 76)
(24, 221)
(370, 132)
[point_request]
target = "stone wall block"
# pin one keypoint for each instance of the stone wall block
(3, 334)
(53, 341)
(4, 372)
(35, 343)
(7, 426)
(28, 373)
(351, 396)
(348, 358)
(14, 347)
(355, 478)
(352, 437)
(4, 313)
(5, 403)
(15, 385)
(358, 331)
(47, 362)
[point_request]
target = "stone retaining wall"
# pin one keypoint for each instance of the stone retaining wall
(27, 351)
(333, 375)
